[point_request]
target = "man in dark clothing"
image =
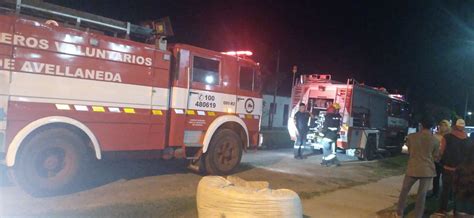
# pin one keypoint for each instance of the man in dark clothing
(452, 154)
(464, 184)
(331, 127)
(301, 119)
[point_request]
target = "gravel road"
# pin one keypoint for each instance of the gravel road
(168, 189)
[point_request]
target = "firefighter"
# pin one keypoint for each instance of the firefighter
(301, 120)
(331, 127)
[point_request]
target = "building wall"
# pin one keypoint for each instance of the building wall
(279, 116)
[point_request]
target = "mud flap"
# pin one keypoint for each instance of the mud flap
(196, 163)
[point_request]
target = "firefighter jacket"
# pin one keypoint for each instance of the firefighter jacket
(332, 125)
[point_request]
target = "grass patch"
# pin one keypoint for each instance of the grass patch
(393, 166)
(309, 195)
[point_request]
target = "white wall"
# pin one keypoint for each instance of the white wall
(280, 101)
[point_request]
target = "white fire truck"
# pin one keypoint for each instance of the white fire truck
(373, 121)
(75, 86)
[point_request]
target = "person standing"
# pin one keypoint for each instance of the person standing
(464, 184)
(301, 120)
(443, 129)
(331, 127)
(423, 147)
(452, 154)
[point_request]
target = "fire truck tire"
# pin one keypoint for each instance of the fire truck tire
(367, 154)
(50, 162)
(370, 151)
(399, 141)
(224, 153)
(396, 151)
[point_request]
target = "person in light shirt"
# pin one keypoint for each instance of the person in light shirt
(423, 148)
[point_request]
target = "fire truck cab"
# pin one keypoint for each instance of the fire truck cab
(81, 86)
(373, 121)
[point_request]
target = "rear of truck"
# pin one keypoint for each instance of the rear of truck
(378, 124)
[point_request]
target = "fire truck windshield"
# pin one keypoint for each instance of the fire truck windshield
(398, 109)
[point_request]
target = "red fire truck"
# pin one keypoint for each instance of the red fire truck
(75, 86)
(373, 121)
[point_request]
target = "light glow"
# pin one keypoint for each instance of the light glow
(469, 113)
(397, 96)
(209, 79)
(238, 53)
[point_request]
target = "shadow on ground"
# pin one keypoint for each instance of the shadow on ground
(105, 172)
(100, 173)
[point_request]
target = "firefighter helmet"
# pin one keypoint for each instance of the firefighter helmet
(336, 106)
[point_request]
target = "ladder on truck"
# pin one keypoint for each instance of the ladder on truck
(296, 95)
(46, 10)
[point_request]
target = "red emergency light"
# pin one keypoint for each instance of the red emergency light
(238, 53)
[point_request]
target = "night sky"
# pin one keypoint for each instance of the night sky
(421, 48)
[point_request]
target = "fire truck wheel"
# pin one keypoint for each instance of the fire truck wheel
(396, 151)
(369, 152)
(50, 162)
(224, 153)
(399, 141)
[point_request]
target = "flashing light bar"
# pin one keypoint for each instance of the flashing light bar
(397, 96)
(238, 53)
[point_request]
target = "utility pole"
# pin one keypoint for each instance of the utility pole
(277, 83)
(294, 70)
(465, 106)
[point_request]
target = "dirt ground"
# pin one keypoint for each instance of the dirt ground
(168, 189)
